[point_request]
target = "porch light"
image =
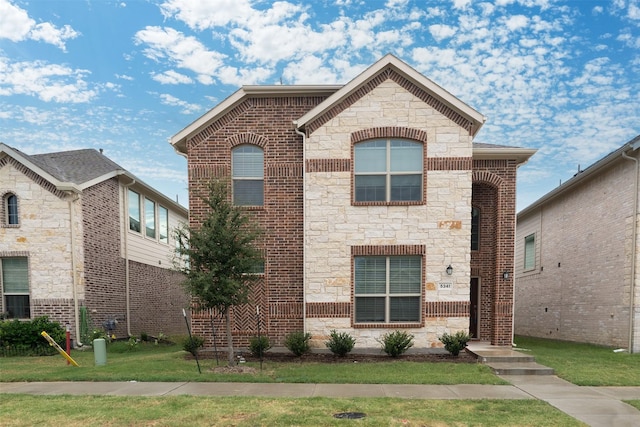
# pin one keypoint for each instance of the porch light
(505, 275)
(449, 270)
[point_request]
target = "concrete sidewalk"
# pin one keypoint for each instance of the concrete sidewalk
(595, 406)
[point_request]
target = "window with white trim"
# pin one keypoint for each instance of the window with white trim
(388, 170)
(247, 169)
(530, 252)
(14, 274)
(150, 218)
(388, 289)
(163, 224)
(134, 211)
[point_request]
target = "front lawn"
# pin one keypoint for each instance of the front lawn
(584, 364)
(148, 362)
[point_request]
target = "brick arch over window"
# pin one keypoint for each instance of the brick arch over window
(247, 138)
(485, 177)
(389, 132)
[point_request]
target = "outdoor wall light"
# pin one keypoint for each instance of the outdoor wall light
(449, 270)
(505, 275)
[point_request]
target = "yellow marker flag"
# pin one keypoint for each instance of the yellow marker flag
(57, 347)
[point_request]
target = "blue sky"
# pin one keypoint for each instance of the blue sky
(559, 76)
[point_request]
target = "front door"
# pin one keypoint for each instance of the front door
(474, 299)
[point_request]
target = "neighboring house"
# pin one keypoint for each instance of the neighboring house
(365, 192)
(578, 257)
(78, 230)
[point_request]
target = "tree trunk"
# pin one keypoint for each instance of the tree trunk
(230, 359)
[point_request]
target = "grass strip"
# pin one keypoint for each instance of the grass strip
(70, 411)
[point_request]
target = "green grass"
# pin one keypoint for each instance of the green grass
(70, 411)
(584, 364)
(148, 362)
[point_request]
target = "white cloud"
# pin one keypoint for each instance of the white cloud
(186, 107)
(171, 77)
(517, 22)
(182, 51)
(16, 25)
(440, 32)
(49, 82)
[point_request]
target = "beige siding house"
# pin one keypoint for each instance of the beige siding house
(578, 257)
(79, 232)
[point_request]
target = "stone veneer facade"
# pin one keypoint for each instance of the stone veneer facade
(45, 237)
(314, 229)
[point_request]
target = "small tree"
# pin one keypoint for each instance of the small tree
(217, 255)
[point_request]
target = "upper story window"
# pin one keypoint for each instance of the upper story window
(387, 288)
(14, 275)
(247, 168)
(150, 218)
(530, 252)
(475, 229)
(163, 224)
(388, 170)
(11, 209)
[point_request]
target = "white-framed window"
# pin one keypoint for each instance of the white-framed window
(388, 289)
(14, 274)
(163, 224)
(247, 169)
(10, 202)
(135, 218)
(530, 252)
(150, 218)
(388, 170)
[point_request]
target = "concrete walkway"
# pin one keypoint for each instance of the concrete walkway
(595, 406)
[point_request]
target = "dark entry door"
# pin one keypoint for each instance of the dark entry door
(474, 299)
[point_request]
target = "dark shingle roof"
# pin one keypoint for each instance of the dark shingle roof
(77, 166)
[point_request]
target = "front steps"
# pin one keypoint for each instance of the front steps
(505, 361)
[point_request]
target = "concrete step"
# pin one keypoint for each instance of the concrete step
(514, 358)
(519, 368)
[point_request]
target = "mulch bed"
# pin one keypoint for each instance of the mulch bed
(463, 357)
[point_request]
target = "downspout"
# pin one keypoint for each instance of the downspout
(125, 216)
(76, 309)
(634, 244)
(304, 227)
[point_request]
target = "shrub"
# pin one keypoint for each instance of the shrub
(259, 345)
(340, 343)
(24, 337)
(456, 342)
(192, 344)
(298, 343)
(397, 342)
(144, 336)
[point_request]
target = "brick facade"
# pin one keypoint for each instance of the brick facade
(314, 227)
(579, 286)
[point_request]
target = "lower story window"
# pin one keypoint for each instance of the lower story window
(15, 287)
(387, 288)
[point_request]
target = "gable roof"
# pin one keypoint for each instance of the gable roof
(77, 170)
(474, 118)
(584, 174)
(335, 95)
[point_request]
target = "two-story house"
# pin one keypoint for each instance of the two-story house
(578, 256)
(79, 234)
(379, 211)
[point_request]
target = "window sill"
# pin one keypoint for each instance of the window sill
(400, 203)
(401, 325)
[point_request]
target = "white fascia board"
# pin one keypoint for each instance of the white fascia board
(522, 155)
(60, 185)
(178, 141)
(409, 73)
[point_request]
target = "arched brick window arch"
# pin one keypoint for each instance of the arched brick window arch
(388, 166)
